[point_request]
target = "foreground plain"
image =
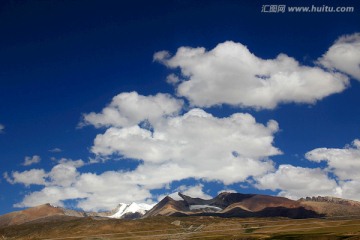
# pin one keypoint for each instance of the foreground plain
(186, 228)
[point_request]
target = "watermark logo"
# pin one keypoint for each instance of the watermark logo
(306, 9)
(273, 8)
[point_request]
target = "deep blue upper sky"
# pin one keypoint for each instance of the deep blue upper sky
(60, 59)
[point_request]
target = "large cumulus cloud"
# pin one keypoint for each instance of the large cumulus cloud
(231, 74)
(344, 55)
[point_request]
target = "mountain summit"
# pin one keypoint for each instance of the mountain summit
(131, 211)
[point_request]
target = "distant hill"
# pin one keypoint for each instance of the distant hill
(45, 211)
(331, 206)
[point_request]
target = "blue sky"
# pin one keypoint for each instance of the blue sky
(108, 102)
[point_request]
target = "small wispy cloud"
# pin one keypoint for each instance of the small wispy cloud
(8, 178)
(67, 161)
(55, 150)
(2, 127)
(31, 160)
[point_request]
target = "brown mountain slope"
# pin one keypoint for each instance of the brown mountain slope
(30, 214)
(260, 202)
(168, 207)
(225, 199)
(46, 213)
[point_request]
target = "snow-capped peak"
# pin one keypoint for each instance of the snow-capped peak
(141, 208)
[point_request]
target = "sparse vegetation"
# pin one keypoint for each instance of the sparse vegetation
(190, 228)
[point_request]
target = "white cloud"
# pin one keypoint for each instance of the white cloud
(108, 189)
(173, 137)
(2, 127)
(344, 163)
(31, 160)
(172, 79)
(158, 56)
(350, 189)
(52, 194)
(66, 161)
(231, 74)
(197, 144)
(33, 176)
(93, 192)
(344, 55)
(63, 175)
(55, 150)
(128, 109)
(296, 182)
(195, 191)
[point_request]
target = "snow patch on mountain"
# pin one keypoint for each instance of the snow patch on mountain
(198, 207)
(124, 209)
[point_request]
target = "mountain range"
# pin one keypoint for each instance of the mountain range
(224, 205)
(232, 205)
